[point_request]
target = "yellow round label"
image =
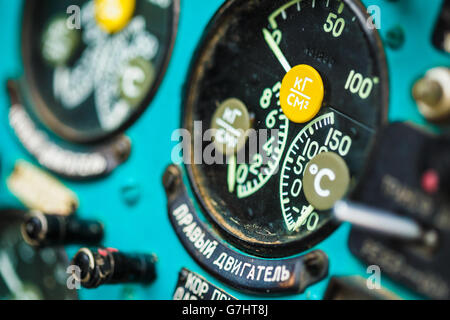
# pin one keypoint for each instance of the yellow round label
(301, 94)
(114, 15)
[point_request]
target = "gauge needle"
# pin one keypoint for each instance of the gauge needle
(276, 50)
(303, 217)
(383, 222)
(231, 173)
(9, 275)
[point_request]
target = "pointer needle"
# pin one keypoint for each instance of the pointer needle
(383, 222)
(276, 50)
(305, 215)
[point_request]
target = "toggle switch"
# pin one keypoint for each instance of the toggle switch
(102, 266)
(41, 230)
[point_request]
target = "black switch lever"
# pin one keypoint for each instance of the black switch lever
(43, 230)
(109, 266)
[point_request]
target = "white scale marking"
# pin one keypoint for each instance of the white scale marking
(341, 8)
(10, 277)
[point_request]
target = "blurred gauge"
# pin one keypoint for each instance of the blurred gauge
(92, 67)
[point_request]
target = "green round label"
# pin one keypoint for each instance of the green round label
(59, 41)
(326, 180)
(136, 81)
(230, 123)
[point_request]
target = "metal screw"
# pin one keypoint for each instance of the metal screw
(131, 193)
(171, 178)
(395, 37)
(428, 91)
(122, 148)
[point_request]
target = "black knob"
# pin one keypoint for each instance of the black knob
(48, 230)
(109, 266)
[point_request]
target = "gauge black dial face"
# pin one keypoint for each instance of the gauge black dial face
(27, 273)
(91, 75)
(257, 201)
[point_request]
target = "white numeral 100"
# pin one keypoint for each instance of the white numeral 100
(357, 84)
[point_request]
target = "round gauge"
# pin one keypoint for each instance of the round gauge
(27, 273)
(93, 66)
(273, 85)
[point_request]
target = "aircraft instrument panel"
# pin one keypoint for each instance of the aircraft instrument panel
(225, 149)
